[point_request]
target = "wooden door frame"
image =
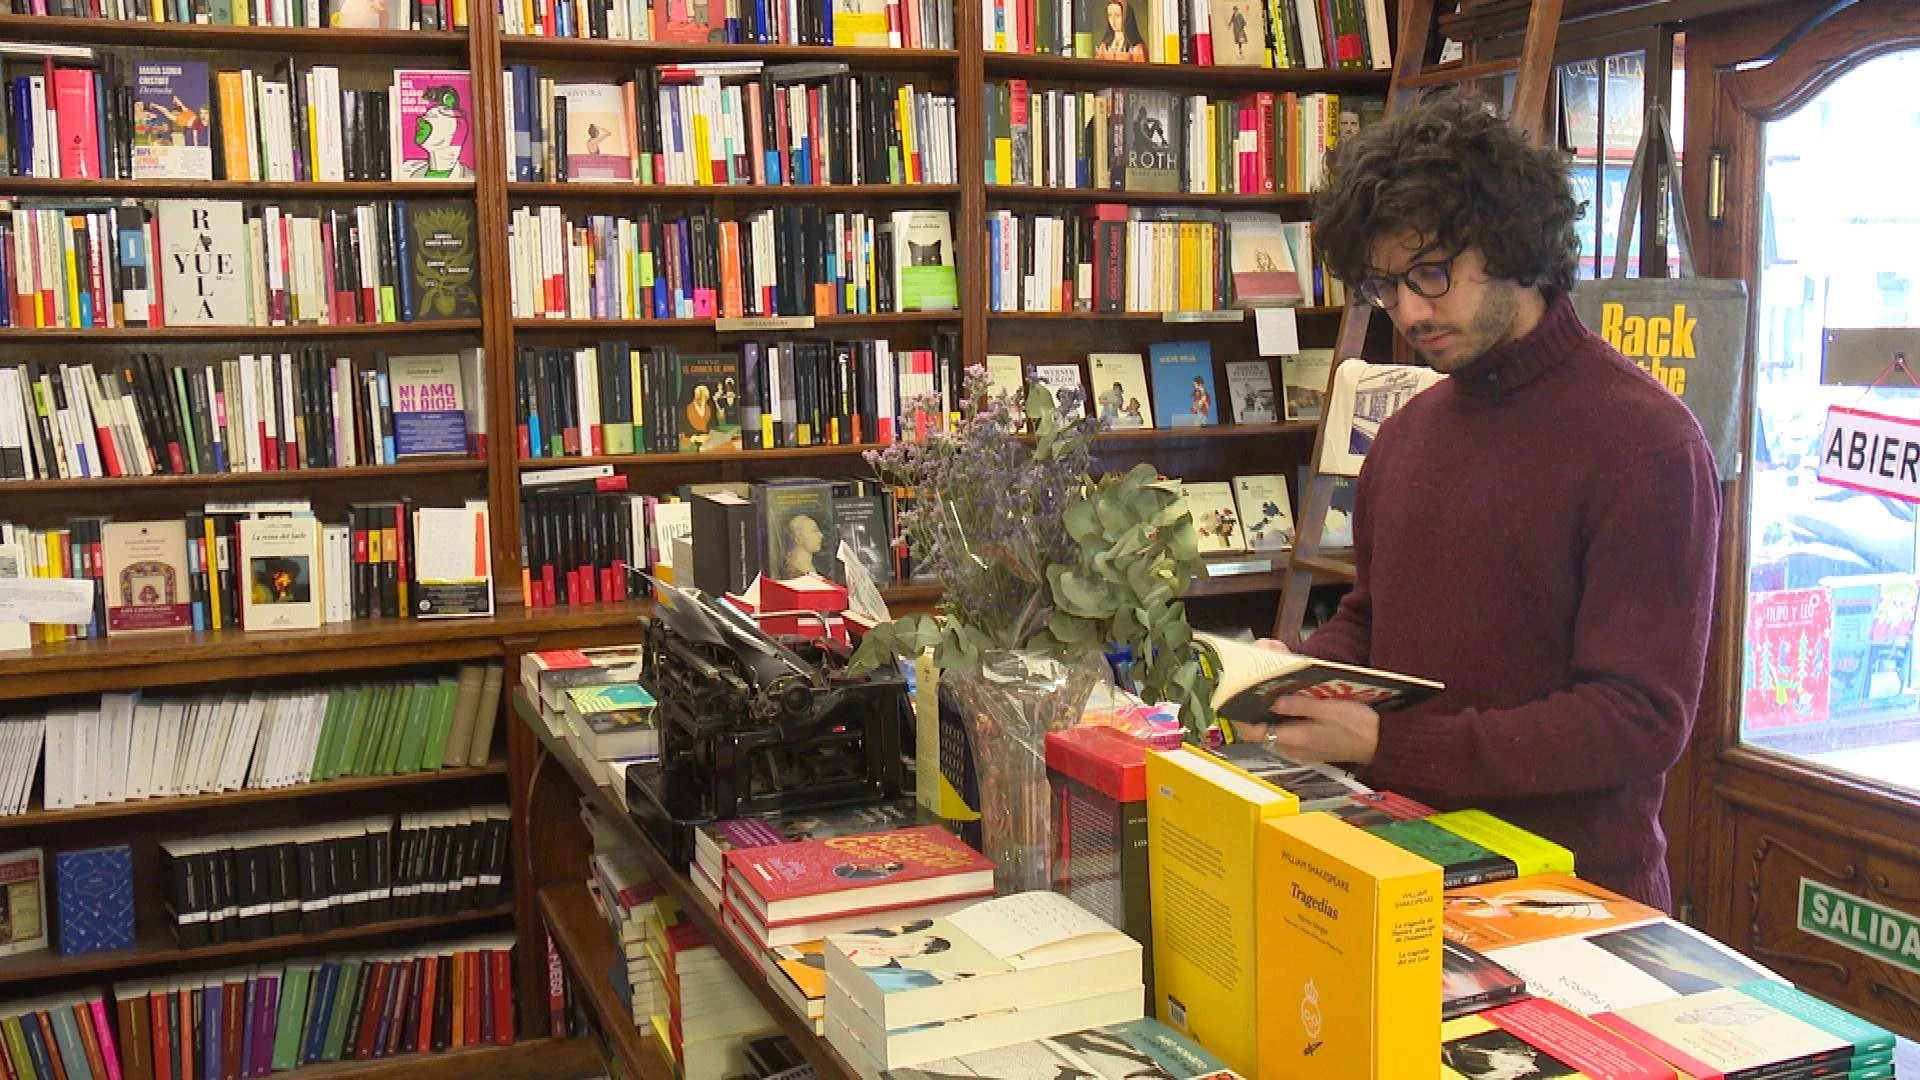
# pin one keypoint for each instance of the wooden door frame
(1721, 782)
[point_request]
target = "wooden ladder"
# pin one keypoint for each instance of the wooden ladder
(1413, 72)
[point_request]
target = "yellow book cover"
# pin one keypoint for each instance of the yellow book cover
(1349, 954)
(1531, 853)
(1203, 816)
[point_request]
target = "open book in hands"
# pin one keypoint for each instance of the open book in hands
(1252, 677)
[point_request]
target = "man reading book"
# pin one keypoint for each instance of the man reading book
(1536, 532)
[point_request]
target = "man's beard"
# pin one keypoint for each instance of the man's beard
(1491, 324)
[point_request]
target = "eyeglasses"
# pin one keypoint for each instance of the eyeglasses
(1427, 280)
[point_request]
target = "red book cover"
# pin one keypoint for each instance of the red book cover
(83, 1017)
(484, 966)
(77, 113)
(429, 988)
(502, 982)
(1789, 644)
(382, 975)
(1556, 1040)
(844, 875)
(162, 1038)
(470, 998)
(399, 992)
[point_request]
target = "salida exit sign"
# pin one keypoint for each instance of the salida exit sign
(1853, 922)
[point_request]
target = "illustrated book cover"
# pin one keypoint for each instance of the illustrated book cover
(147, 583)
(281, 557)
(1266, 515)
(1250, 392)
(1119, 388)
(1183, 394)
(432, 128)
(172, 120)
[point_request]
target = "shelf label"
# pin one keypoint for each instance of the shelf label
(1229, 315)
(762, 323)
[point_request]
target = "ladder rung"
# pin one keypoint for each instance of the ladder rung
(1458, 73)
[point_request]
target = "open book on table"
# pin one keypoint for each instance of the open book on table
(1251, 677)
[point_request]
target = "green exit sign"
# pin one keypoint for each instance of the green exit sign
(1852, 922)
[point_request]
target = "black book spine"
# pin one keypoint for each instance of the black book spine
(379, 873)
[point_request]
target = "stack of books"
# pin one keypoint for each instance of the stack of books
(710, 1014)
(609, 727)
(1761, 1028)
(712, 842)
(1006, 971)
(626, 898)
(1138, 1048)
(792, 893)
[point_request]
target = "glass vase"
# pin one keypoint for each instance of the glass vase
(1011, 702)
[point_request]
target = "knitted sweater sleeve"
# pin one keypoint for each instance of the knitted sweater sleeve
(1347, 638)
(1640, 640)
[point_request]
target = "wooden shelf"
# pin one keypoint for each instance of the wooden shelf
(586, 943)
(186, 657)
(177, 334)
(447, 467)
(154, 948)
(1217, 431)
(608, 326)
(37, 817)
(1188, 77)
(515, 47)
(826, 1062)
(534, 1059)
(274, 39)
(1132, 316)
(521, 191)
(234, 189)
(1008, 193)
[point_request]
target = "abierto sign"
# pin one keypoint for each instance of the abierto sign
(1852, 922)
(1871, 452)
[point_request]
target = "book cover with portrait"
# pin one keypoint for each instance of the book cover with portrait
(281, 558)
(432, 125)
(707, 416)
(797, 531)
(1119, 390)
(1153, 140)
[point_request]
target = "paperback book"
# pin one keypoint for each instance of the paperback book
(1183, 394)
(1215, 517)
(429, 405)
(432, 126)
(923, 261)
(1266, 515)
(172, 121)
(147, 576)
(1250, 391)
(1251, 677)
(1303, 377)
(281, 558)
(1120, 390)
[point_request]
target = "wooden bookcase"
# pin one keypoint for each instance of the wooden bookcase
(543, 808)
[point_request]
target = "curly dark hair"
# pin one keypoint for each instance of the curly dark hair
(1459, 176)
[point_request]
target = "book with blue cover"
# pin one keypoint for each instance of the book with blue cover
(94, 891)
(1183, 394)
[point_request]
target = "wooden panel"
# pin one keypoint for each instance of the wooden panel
(1771, 856)
(253, 335)
(327, 41)
(586, 944)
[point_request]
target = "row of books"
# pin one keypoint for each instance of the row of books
(787, 260)
(314, 878)
(1345, 35)
(614, 399)
(733, 122)
(1114, 258)
(356, 1007)
(312, 14)
(256, 566)
(160, 120)
(877, 24)
(1135, 139)
(129, 748)
(184, 262)
(255, 413)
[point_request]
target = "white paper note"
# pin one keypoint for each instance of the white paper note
(46, 600)
(1277, 330)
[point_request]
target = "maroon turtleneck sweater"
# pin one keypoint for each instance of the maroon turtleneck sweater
(1538, 532)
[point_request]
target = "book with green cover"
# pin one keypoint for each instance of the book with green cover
(405, 712)
(352, 718)
(359, 760)
(434, 754)
(287, 1027)
(349, 982)
(329, 730)
(1465, 862)
(425, 702)
(589, 700)
(1531, 853)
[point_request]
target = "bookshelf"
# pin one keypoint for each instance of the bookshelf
(368, 649)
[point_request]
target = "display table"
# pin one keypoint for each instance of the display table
(587, 947)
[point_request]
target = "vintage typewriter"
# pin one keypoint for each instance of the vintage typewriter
(750, 724)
